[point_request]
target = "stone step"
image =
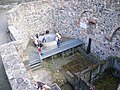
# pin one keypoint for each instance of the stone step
(36, 66)
(34, 62)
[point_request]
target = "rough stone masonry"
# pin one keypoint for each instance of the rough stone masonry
(83, 19)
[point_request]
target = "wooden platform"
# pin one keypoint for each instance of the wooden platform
(63, 47)
(48, 53)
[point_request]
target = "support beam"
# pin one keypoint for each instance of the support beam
(89, 46)
(63, 55)
(52, 58)
(73, 51)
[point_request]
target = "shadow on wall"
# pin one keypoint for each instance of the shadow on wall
(4, 83)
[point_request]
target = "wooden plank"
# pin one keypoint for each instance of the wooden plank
(63, 47)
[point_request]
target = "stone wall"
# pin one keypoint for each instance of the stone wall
(38, 17)
(76, 19)
(17, 25)
(86, 19)
(16, 72)
(27, 19)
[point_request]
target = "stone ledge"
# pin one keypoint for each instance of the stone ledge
(15, 69)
